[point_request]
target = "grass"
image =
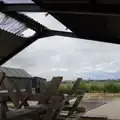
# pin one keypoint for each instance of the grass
(65, 88)
(93, 86)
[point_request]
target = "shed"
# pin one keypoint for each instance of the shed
(39, 84)
(19, 76)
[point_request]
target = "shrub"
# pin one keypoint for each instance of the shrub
(65, 88)
(112, 88)
(95, 88)
(85, 86)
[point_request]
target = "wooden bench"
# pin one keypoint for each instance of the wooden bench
(48, 101)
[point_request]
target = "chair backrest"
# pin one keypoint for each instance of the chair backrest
(76, 85)
(51, 89)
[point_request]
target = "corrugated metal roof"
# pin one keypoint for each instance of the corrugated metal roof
(17, 1)
(14, 72)
(11, 25)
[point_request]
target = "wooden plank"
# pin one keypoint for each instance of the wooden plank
(58, 103)
(75, 105)
(47, 94)
(32, 97)
(2, 75)
(3, 115)
(94, 118)
(20, 95)
(69, 97)
(44, 97)
(50, 90)
(73, 91)
(14, 97)
(3, 108)
(25, 111)
(49, 114)
(14, 92)
(24, 102)
(76, 86)
(57, 112)
(2, 100)
(30, 110)
(77, 109)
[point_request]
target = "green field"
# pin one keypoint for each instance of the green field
(108, 86)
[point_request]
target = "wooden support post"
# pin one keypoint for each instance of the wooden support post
(24, 102)
(75, 105)
(3, 108)
(2, 75)
(50, 90)
(49, 114)
(57, 112)
(73, 91)
(20, 95)
(14, 93)
(27, 112)
(94, 118)
(3, 105)
(76, 86)
(47, 94)
(77, 109)
(73, 94)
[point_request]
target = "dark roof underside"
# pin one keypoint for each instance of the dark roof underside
(93, 27)
(97, 20)
(89, 19)
(12, 39)
(9, 43)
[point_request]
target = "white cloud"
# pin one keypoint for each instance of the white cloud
(68, 57)
(60, 69)
(56, 58)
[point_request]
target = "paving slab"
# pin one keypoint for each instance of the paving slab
(110, 110)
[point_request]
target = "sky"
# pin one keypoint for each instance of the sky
(67, 57)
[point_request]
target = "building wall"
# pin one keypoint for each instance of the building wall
(22, 83)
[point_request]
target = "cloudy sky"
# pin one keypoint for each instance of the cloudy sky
(67, 57)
